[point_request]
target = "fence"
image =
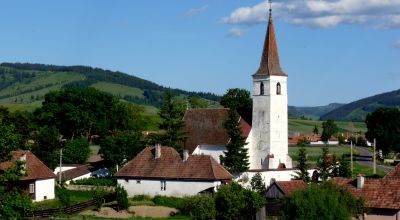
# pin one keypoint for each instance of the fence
(70, 209)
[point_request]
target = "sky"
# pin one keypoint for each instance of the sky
(332, 50)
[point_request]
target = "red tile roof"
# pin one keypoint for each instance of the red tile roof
(289, 187)
(35, 168)
(171, 166)
(205, 126)
(379, 193)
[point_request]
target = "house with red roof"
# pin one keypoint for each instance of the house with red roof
(280, 189)
(161, 171)
(382, 196)
(39, 179)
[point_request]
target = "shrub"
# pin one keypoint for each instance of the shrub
(63, 196)
(121, 197)
(141, 198)
(172, 202)
(200, 207)
(96, 181)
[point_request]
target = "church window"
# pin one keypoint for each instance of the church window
(262, 88)
(278, 89)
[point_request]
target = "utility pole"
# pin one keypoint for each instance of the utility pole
(351, 157)
(60, 173)
(374, 156)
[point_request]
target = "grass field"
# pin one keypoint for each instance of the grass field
(314, 152)
(367, 171)
(307, 126)
(118, 90)
(75, 196)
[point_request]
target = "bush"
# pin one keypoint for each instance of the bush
(121, 197)
(96, 182)
(172, 202)
(63, 196)
(200, 207)
(141, 198)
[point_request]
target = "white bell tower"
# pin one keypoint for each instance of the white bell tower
(269, 148)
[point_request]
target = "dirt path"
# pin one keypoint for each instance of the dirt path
(133, 211)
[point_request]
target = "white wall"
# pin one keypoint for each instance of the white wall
(64, 168)
(214, 150)
(173, 187)
(85, 176)
(278, 175)
(44, 187)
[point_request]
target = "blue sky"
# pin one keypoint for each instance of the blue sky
(332, 50)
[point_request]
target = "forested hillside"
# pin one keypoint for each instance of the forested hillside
(356, 111)
(312, 112)
(23, 85)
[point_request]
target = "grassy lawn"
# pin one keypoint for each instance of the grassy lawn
(366, 170)
(75, 196)
(307, 126)
(314, 152)
(132, 218)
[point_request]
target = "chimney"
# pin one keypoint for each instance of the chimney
(157, 151)
(23, 159)
(360, 181)
(185, 155)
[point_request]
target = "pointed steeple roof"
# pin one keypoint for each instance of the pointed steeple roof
(270, 58)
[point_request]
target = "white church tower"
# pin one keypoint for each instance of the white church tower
(269, 148)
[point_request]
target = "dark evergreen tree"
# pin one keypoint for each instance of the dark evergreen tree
(324, 164)
(236, 159)
(329, 128)
(316, 131)
(172, 113)
(303, 166)
(257, 184)
(344, 169)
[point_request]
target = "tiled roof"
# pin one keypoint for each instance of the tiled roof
(35, 168)
(379, 193)
(76, 172)
(395, 173)
(171, 166)
(289, 187)
(270, 58)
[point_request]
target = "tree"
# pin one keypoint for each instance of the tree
(326, 201)
(344, 169)
(329, 128)
(200, 207)
(324, 164)
(384, 126)
(232, 201)
(76, 151)
(47, 145)
(172, 113)
(235, 158)
(196, 102)
(302, 172)
(315, 131)
(257, 184)
(9, 140)
(236, 99)
(121, 197)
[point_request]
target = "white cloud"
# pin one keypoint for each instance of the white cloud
(396, 44)
(234, 32)
(323, 13)
(195, 11)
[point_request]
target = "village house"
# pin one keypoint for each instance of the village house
(382, 196)
(161, 171)
(39, 179)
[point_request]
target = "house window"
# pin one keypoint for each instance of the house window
(31, 188)
(278, 89)
(163, 185)
(137, 181)
(262, 88)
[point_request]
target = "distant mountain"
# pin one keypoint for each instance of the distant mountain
(23, 85)
(312, 112)
(356, 111)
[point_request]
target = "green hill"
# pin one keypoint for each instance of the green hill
(356, 111)
(312, 112)
(23, 85)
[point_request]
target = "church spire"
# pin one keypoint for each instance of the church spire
(270, 58)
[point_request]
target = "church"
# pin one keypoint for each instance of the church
(265, 126)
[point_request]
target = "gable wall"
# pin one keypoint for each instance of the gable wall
(44, 188)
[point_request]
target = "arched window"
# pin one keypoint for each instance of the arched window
(278, 89)
(262, 88)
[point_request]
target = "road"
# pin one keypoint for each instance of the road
(365, 158)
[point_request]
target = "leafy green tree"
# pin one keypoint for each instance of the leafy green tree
(196, 102)
(9, 140)
(324, 164)
(384, 126)
(344, 169)
(121, 197)
(236, 159)
(172, 113)
(232, 201)
(47, 145)
(303, 166)
(329, 128)
(315, 130)
(200, 207)
(257, 184)
(76, 151)
(124, 145)
(236, 98)
(63, 196)
(325, 201)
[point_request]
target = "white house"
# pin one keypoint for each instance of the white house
(39, 181)
(161, 171)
